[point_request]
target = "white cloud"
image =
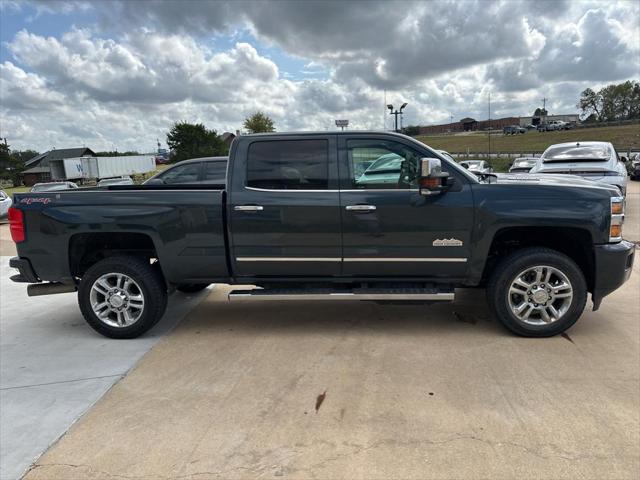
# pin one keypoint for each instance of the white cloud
(126, 79)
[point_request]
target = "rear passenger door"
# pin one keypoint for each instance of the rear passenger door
(284, 207)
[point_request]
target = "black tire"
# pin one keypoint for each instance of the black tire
(150, 282)
(506, 271)
(191, 287)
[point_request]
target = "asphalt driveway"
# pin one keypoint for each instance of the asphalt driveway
(359, 390)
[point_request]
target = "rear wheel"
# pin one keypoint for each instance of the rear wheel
(122, 297)
(537, 292)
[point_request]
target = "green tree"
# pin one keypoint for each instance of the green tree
(613, 102)
(590, 103)
(24, 155)
(188, 140)
(12, 162)
(5, 158)
(258, 123)
(540, 112)
(412, 130)
(115, 153)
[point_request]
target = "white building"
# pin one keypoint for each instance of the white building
(536, 120)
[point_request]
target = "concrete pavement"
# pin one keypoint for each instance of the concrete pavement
(53, 366)
(359, 390)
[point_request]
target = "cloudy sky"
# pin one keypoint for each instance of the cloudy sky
(117, 74)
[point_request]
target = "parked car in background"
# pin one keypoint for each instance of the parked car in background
(384, 170)
(205, 170)
(446, 155)
(513, 130)
(126, 180)
(477, 167)
(597, 161)
(523, 164)
(51, 186)
(5, 203)
(634, 167)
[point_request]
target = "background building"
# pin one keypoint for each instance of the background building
(39, 169)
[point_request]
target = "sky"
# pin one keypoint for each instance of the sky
(118, 74)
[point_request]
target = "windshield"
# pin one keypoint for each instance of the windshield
(524, 162)
(48, 188)
(472, 164)
(115, 181)
(446, 155)
(576, 153)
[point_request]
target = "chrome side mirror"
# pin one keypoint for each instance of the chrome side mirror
(433, 180)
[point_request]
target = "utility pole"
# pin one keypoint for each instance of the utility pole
(489, 124)
(384, 112)
(451, 122)
(544, 106)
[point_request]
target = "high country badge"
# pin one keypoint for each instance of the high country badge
(447, 242)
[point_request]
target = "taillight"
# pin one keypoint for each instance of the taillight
(16, 224)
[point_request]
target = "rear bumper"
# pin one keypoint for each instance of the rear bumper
(613, 265)
(27, 274)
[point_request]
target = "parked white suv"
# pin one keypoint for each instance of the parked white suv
(596, 161)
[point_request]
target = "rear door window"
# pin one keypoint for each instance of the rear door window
(288, 165)
(188, 173)
(215, 172)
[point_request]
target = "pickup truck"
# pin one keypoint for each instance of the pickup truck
(296, 219)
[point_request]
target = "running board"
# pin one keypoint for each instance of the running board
(401, 294)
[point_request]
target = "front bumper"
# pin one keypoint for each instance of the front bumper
(27, 274)
(613, 264)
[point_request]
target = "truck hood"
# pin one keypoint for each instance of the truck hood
(550, 179)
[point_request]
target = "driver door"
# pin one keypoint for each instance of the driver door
(388, 228)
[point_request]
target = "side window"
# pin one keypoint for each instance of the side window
(288, 165)
(382, 164)
(182, 174)
(215, 172)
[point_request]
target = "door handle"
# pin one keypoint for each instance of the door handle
(248, 208)
(360, 208)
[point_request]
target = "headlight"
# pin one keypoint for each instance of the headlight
(617, 219)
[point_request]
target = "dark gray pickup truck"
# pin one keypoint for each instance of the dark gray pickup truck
(340, 216)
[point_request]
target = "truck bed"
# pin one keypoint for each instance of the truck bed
(184, 226)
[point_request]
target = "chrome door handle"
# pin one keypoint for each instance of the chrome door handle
(361, 208)
(248, 208)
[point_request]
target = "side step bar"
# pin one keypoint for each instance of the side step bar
(398, 294)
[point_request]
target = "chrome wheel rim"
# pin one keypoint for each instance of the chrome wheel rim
(117, 300)
(540, 295)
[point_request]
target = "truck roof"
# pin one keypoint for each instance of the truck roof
(324, 133)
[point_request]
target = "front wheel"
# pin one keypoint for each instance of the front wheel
(537, 292)
(122, 297)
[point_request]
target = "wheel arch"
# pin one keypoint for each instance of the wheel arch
(576, 243)
(86, 249)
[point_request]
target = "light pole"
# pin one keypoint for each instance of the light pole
(396, 113)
